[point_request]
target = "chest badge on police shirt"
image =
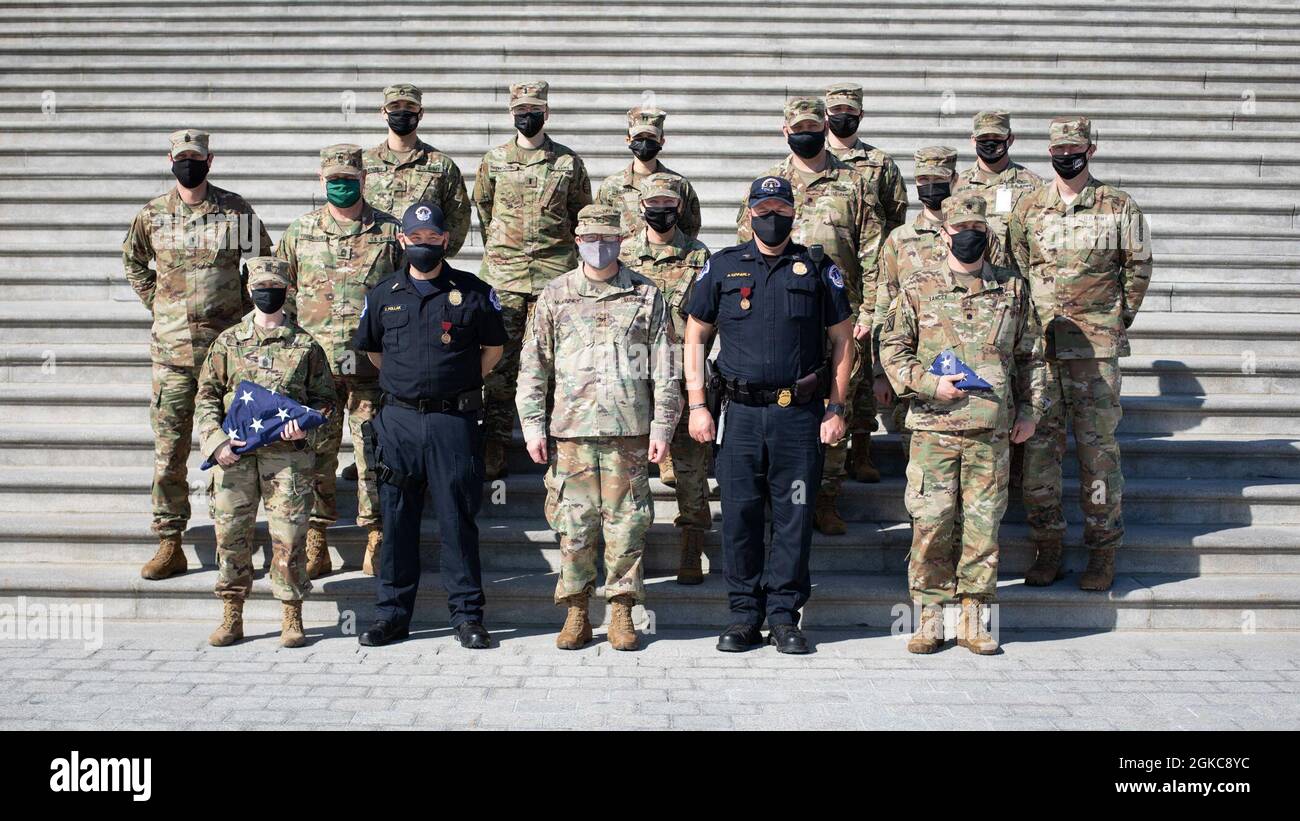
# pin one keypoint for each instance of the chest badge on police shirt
(745, 291)
(799, 268)
(455, 297)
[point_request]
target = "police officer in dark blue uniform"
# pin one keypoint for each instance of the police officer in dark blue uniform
(433, 332)
(773, 302)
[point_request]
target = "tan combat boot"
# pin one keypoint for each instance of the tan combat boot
(232, 624)
(621, 633)
(318, 553)
(928, 637)
(689, 568)
(667, 474)
(970, 629)
(860, 466)
(826, 518)
(576, 632)
(167, 562)
(374, 538)
(1046, 568)
(494, 459)
(1100, 573)
(291, 632)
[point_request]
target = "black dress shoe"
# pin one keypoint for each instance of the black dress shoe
(473, 635)
(740, 637)
(788, 639)
(382, 633)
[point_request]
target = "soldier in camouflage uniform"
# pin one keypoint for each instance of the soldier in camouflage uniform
(1001, 182)
(528, 193)
(404, 170)
(194, 235)
(960, 458)
(1085, 249)
(600, 353)
(834, 208)
(672, 261)
(645, 137)
(844, 115)
(336, 254)
(268, 349)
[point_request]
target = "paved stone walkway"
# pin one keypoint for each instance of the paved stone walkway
(165, 676)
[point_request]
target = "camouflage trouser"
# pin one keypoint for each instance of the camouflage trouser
(859, 416)
(499, 385)
(280, 477)
(898, 415)
(172, 417)
(948, 473)
(691, 464)
(361, 399)
(1089, 390)
(600, 486)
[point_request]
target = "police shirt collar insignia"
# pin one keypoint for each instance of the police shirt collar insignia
(799, 268)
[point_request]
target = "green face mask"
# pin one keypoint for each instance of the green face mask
(343, 192)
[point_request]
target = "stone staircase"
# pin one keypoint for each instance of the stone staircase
(1197, 106)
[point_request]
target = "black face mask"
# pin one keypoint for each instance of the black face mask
(268, 300)
(991, 151)
(424, 257)
(772, 228)
(661, 219)
(933, 194)
(645, 150)
(968, 246)
(1069, 166)
(845, 125)
(807, 144)
(190, 173)
(403, 122)
(531, 123)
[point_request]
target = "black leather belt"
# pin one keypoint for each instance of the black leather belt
(809, 387)
(471, 400)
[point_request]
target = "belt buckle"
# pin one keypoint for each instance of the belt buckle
(784, 397)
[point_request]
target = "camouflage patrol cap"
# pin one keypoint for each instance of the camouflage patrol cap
(798, 109)
(268, 272)
(660, 185)
(189, 139)
(959, 209)
(403, 91)
(343, 158)
(991, 122)
(646, 121)
(532, 92)
(844, 94)
(1069, 131)
(599, 219)
(935, 161)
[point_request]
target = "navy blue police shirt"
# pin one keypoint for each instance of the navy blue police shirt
(781, 335)
(408, 329)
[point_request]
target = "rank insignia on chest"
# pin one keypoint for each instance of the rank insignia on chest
(264, 361)
(799, 268)
(455, 297)
(745, 291)
(446, 332)
(344, 252)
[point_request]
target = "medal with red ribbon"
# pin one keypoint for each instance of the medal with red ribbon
(745, 291)
(446, 332)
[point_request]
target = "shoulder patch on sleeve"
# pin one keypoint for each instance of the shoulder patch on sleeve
(835, 276)
(703, 271)
(494, 299)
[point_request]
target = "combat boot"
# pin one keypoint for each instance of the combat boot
(621, 633)
(826, 518)
(232, 624)
(167, 562)
(374, 538)
(318, 553)
(928, 637)
(970, 629)
(494, 459)
(1046, 568)
(1100, 574)
(291, 633)
(689, 568)
(576, 632)
(860, 466)
(667, 474)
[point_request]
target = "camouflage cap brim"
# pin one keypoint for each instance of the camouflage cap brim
(645, 128)
(340, 171)
(518, 101)
(181, 148)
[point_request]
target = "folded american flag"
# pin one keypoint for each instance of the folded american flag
(256, 416)
(947, 363)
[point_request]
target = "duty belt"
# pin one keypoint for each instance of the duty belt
(470, 400)
(809, 387)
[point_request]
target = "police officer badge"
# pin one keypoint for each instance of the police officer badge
(455, 297)
(799, 268)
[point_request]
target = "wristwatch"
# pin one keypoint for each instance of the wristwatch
(836, 408)
(697, 406)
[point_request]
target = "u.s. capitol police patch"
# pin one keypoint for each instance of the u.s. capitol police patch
(703, 271)
(494, 299)
(834, 275)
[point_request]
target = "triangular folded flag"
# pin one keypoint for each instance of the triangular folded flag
(947, 363)
(256, 416)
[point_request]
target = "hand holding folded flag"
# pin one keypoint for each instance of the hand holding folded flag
(257, 416)
(947, 364)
